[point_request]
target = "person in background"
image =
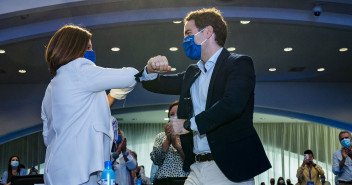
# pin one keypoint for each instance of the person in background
(262, 183)
(153, 171)
(123, 162)
(280, 181)
(309, 172)
(288, 182)
(77, 129)
(138, 173)
(13, 169)
(33, 171)
(342, 160)
(168, 155)
(272, 181)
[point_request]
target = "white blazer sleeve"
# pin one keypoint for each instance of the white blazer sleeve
(98, 78)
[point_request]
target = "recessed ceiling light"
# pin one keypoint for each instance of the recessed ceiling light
(22, 71)
(272, 69)
(173, 69)
(2, 51)
(166, 110)
(231, 49)
(115, 49)
(173, 49)
(321, 69)
(177, 22)
(245, 22)
(166, 119)
(288, 49)
(343, 49)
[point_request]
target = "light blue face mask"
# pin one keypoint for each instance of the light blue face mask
(90, 55)
(346, 142)
(192, 50)
(14, 164)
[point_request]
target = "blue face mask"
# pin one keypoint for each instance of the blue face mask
(14, 164)
(90, 55)
(346, 142)
(192, 50)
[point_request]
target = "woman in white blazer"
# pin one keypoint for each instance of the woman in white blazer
(75, 110)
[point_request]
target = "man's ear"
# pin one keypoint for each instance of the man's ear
(209, 31)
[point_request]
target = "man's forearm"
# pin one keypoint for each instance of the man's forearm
(342, 163)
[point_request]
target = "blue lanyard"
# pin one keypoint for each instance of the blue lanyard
(310, 175)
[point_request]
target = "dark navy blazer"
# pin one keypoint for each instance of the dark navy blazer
(228, 117)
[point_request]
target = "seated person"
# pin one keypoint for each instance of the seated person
(138, 173)
(168, 155)
(123, 162)
(309, 172)
(13, 169)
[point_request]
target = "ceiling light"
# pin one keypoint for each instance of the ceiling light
(115, 49)
(166, 110)
(2, 51)
(231, 49)
(173, 49)
(177, 22)
(288, 49)
(343, 49)
(22, 71)
(321, 69)
(166, 119)
(272, 69)
(245, 22)
(173, 69)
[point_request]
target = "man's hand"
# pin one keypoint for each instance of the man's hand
(349, 152)
(344, 152)
(123, 145)
(177, 127)
(158, 64)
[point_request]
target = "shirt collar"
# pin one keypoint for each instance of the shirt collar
(211, 62)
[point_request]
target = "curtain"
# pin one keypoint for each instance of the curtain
(284, 144)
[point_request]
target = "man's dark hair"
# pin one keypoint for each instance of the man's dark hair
(344, 131)
(308, 152)
(210, 17)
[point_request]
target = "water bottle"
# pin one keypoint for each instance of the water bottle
(108, 175)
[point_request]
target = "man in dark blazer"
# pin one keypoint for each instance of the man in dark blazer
(215, 115)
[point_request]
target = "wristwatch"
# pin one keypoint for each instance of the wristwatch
(187, 125)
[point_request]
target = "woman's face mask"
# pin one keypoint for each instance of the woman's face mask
(14, 164)
(193, 50)
(90, 55)
(281, 181)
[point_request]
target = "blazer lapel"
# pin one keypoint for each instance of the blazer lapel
(193, 76)
(223, 56)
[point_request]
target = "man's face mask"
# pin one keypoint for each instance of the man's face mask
(346, 142)
(90, 55)
(192, 50)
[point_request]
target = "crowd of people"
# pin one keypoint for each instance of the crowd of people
(210, 128)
